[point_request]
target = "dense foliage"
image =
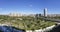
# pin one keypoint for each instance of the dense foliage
(25, 22)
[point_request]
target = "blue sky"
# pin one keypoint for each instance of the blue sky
(29, 6)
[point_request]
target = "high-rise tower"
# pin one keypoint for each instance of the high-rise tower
(45, 12)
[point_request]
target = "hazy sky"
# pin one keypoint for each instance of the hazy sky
(29, 6)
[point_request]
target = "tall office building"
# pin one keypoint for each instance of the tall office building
(45, 12)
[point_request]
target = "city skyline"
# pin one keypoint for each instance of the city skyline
(29, 6)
